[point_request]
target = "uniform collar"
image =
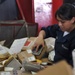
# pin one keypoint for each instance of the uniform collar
(71, 34)
(65, 33)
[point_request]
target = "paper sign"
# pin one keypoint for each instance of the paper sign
(5, 73)
(17, 45)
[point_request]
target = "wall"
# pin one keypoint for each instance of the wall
(28, 9)
(56, 5)
(8, 10)
(43, 12)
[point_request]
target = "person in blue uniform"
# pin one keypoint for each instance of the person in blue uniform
(63, 32)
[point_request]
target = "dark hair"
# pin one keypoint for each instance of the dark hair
(68, 1)
(66, 11)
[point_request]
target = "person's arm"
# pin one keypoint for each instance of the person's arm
(40, 40)
(42, 34)
(45, 32)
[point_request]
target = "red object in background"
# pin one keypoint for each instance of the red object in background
(26, 10)
(55, 5)
(27, 43)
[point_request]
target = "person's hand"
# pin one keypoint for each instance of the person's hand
(39, 41)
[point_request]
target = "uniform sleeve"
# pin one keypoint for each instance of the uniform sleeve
(51, 31)
(73, 45)
(71, 49)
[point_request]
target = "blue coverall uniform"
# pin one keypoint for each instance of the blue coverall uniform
(64, 45)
